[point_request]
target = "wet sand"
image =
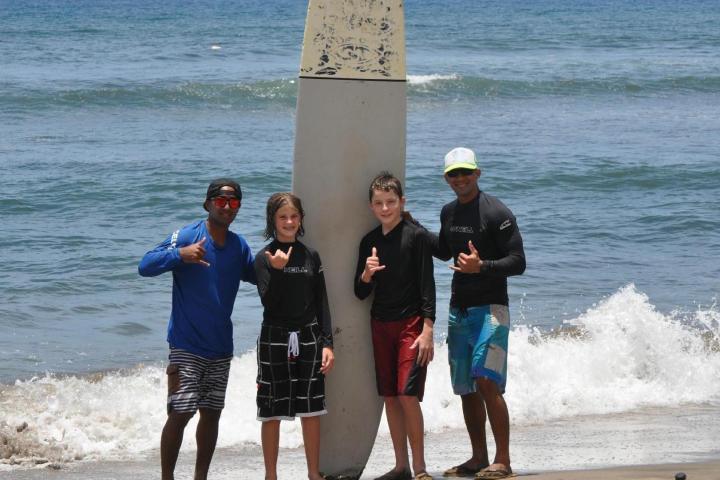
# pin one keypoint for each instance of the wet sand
(694, 471)
(226, 468)
(447, 449)
(644, 445)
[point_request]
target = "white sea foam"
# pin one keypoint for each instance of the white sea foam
(622, 355)
(630, 356)
(426, 79)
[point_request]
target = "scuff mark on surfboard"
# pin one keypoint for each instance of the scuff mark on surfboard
(355, 39)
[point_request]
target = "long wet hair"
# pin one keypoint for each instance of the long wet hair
(275, 203)
(386, 182)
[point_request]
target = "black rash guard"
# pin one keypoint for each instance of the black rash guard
(406, 287)
(494, 232)
(294, 296)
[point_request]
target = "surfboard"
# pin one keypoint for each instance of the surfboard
(350, 126)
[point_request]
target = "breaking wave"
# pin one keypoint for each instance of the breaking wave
(618, 356)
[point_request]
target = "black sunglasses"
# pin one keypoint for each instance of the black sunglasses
(460, 172)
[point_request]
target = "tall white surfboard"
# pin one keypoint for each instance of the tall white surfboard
(351, 115)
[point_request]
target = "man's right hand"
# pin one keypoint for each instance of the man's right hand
(469, 263)
(372, 265)
(194, 253)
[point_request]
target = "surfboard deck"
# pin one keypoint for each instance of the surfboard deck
(350, 125)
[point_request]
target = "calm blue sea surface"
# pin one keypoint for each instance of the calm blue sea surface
(596, 122)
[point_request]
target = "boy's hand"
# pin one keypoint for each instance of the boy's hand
(328, 360)
(372, 265)
(280, 259)
(425, 345)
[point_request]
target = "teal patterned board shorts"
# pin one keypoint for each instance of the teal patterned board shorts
(477, 346)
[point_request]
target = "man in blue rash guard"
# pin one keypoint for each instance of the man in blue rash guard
(207, 261)
(480, 233)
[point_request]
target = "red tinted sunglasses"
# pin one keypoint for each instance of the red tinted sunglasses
(220, 202)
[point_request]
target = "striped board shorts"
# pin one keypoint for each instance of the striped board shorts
(196, 382)
(289, 382)
(477, 346)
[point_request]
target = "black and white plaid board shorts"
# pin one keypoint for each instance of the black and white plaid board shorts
(196, 382)
(289, 386)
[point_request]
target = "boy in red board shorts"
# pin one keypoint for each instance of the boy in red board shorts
(395, 261)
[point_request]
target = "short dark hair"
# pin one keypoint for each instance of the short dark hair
(387, 182)
(216, 188)
(275, 203)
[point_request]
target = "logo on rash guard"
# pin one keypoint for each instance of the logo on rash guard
(295, 270)
(505, 224)
(173, 239)
(461, 229)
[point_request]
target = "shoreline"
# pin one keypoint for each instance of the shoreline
(292, 462)
(647, 444)
(443, 450)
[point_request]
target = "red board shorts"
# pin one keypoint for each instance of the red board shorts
(396, 370)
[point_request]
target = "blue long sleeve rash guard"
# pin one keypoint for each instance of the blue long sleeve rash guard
(202, 297)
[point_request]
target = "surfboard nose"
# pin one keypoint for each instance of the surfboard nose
(354, 39)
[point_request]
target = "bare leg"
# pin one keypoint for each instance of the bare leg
(497, 412)
(170, 442)
(311, 438)
(206, 437)
(474, 413)
(270, 437)
(415, 428)
(398, 434)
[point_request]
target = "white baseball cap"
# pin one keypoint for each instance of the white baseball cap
(460, 157)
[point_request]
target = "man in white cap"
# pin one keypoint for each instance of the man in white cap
(480, 233)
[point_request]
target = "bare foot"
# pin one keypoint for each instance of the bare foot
(396, 474)
(494, 471)
(473, 464)
(499, 467)
(466, 469)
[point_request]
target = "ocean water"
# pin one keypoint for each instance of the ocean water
(595, 122)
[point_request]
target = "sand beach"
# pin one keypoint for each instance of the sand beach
(648, 446)
(247, 464)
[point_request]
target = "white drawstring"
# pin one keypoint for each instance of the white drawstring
(293, 345)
